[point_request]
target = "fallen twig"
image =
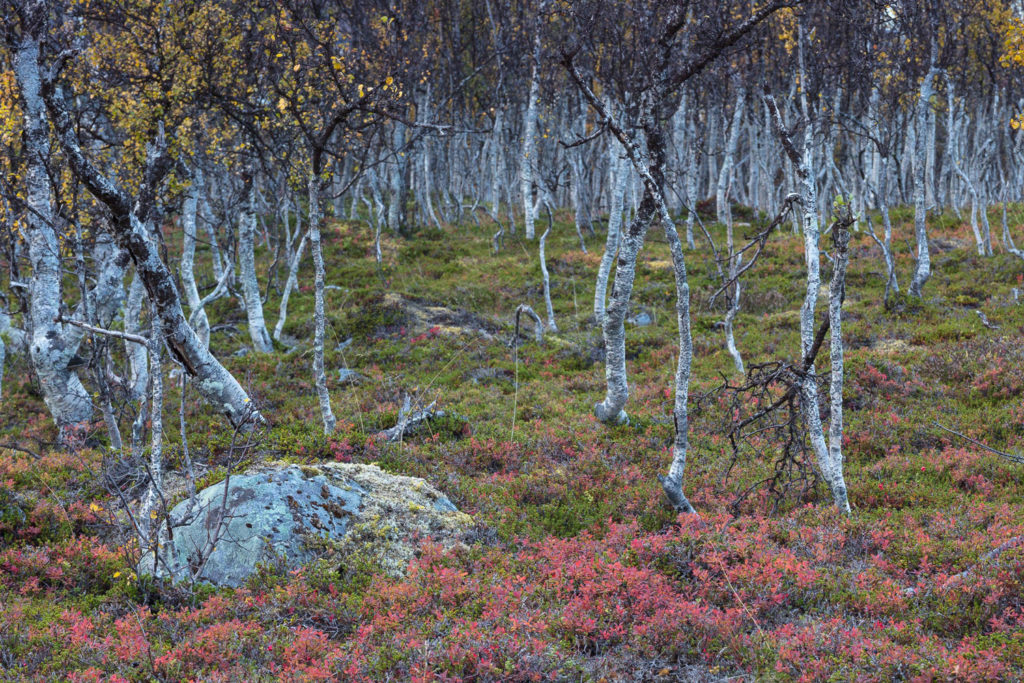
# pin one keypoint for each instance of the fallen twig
(1012, 457)
(408, 420)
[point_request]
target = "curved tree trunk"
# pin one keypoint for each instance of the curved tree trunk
(211, 379)
(289, 285)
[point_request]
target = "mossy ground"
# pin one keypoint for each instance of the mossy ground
(576, 568)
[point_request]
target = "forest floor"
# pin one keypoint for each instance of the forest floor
(576, 568)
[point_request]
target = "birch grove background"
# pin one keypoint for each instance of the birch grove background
(417, 234)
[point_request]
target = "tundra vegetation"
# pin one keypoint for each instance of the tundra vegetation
(778, 438)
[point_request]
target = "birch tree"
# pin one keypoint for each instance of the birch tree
(63, 391)
(674, 47)
(828, 454)
(923, 268)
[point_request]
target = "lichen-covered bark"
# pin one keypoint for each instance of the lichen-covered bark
(828, 456)
(65, 396)
(610, 410)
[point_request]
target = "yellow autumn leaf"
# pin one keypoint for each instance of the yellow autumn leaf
(95, 508)
(117, 574)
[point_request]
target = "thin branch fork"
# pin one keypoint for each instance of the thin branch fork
(127, 336)
(759, 241)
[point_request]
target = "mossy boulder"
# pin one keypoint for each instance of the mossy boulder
(294, 514)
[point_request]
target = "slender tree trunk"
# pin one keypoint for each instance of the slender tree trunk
(154, 492)
(399, 180)
(188, 252)
(319, 375)
(891, 284)
(618, 189)
(289, 285)
(722, 202)
(547, 282)
(692, 160)
(923, 269)
(497, 164)
(837, 292)
(528, 158)
(247, 265)
(138, 361)
(831, 469)
(611, 409)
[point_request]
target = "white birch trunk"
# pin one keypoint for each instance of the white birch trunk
(154, 492)
(289, 285)
(547, 282)
(247, 265)
(528, 158)
(497, 164)
(923, 269)
(190, 211)
(138, 362)
(722, 201)
(831, 469)
(837, 288)
(65, 396)
(319, 375)
(618, 190)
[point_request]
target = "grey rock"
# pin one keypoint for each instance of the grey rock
(244, 351)
(642, 319)
(343, 345)
(347, 376)
(291, 514)
(484, 374)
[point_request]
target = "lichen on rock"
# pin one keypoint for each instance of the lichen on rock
(295, 514)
